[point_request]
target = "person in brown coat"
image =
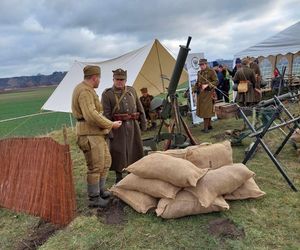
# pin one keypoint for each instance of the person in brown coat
(257, 94)
(146, 99)
(245, 73)
(205, 87)
(120, 102)
(91, 129)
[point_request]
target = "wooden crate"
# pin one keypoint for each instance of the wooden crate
(225, 110)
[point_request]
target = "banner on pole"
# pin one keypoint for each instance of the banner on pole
(192, 69)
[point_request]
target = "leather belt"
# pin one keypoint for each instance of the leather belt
(126, 117)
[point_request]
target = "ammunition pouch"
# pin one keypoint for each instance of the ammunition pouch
(126, 117)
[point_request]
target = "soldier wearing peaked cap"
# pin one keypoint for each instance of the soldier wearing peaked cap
(120, 102)
(91, 128)
(206, 82)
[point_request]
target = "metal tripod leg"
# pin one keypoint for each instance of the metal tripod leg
(285, 141)
(259, 140)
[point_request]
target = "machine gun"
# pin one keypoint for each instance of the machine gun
(170, 111)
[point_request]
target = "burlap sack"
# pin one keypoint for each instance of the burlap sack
(220, 181)
(187, 204)
(140, 202)
(178, 153)
(296, 135)
(248, 190)
(210, 155)
(178, 172)
(153, 187)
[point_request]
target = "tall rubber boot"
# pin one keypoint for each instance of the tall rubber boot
(94, 196)
(103, 193)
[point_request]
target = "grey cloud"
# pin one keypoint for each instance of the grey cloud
(44, 35)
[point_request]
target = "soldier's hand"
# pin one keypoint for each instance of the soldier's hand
(116, 124)
(204, 86)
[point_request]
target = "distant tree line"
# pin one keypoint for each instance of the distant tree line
(31, 81)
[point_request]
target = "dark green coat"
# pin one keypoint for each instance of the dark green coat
(205, 102)
(245, 73)
(125, 142)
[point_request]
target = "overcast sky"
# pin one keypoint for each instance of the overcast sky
(45, 36)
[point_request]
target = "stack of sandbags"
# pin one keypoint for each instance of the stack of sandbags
(156, 176)
(187, 181)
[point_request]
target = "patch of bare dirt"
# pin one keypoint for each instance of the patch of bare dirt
(224, 228)
(114, 213)
(37, 236)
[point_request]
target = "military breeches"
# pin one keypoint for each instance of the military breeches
(97, 156)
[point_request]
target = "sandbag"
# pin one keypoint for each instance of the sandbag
(220, 181)
(187, 204)
(178, 153)
(248, 190)
(178, 172)
(210, 155)
(140, 202)
(153, 187)
(296, 136)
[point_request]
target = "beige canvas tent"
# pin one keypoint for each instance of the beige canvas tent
(150, 66)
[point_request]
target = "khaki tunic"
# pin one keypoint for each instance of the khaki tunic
(91, 131)
(205, 102)
(245, 73)
(86, 106)
(125, 143)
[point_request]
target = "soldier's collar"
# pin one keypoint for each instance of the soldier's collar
(86, 84)
(116, 90)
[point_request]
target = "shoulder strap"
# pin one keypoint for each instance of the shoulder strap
(244, 74)
(118, 100)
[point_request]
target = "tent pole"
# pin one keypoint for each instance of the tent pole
(71, 121)
(162, 80)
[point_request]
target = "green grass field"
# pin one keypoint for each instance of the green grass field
(269, 223)
(20, 103)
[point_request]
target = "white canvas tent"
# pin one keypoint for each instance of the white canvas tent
(145, 68)
(282, 49)
(286, 41)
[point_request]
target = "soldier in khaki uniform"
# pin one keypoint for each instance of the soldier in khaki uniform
(91, 129)
(120, 102)
(245, 73)
(146, 101)
(205, 87)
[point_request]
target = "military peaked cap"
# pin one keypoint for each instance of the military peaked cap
(90, 70)
(120, 74)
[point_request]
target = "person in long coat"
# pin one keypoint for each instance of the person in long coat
(257, 94)
(205, 87)
(246, 73)
(120, 102)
